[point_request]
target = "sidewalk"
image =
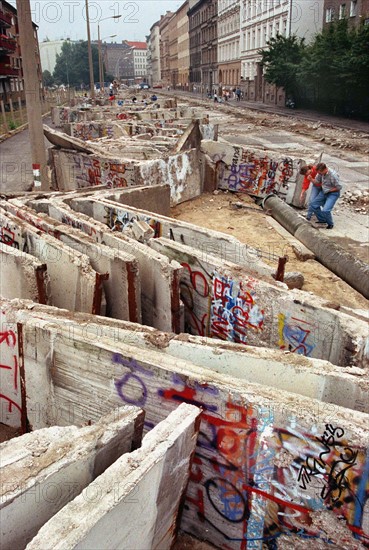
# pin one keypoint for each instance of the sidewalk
(306, 114)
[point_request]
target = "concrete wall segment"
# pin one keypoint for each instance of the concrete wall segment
(121, 285)
(43, 470)
(223, 301)
(159, 286)
(137, 497)
(251, 172)
(77, 286)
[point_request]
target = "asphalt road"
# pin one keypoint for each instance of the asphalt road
(16, 162)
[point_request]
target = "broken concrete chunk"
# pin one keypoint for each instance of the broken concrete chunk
(136, 501)
(43, 470)
(142, 231)
(294, 279)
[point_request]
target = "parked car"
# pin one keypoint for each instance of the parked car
(144, 86)
(156, 86)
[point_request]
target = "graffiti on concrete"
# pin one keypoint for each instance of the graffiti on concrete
(245, 483)
(233, 309)
(255, 175)
(295, 335)
(89, 170)
(10, 383)
(89, 131)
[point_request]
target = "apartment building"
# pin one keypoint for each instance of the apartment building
(229, 31)
(164, 48)
(49, 49)
(183, 47)
(154, 65)
(202, 16)
(355, 11)
(11, 74)
(139, 59)
(173, 50)
(260, 21)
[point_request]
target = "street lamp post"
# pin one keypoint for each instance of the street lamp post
(101, 68)
(90, 64)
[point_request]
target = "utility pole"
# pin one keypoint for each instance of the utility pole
(90, 64)
(28, 46)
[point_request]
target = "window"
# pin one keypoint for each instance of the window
(342, 12)
(329, 15)
(353, 8)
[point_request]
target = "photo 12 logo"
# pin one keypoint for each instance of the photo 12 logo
(74, 11)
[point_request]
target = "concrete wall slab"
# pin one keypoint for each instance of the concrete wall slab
(139, 495)
(73, 284)
(159, 277)
(42, 471)
(223, 301)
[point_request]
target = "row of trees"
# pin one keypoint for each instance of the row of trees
(330, 74)
(72, 66)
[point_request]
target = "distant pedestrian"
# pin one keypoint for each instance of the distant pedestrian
(238, 94)
(331, 189)
(215, 97)
(309, 172)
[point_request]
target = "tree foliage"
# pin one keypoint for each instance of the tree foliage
(281, 61)
(331, 73)
(47, 78)
(72, 65)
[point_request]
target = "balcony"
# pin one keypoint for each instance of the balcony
(7, 44)
(5, 19)
(6, 70)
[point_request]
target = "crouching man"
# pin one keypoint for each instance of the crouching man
(323, 204)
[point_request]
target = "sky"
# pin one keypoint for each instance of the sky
(61, 19)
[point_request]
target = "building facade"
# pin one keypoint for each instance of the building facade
(164, 48)
(263, 20)
(183, 47)
(229, 25)
(173, 50)
(11, 73)
(203, 37)
(155, 54)
(355, 11)
(139, 59)
(118, 61)
(49, 49)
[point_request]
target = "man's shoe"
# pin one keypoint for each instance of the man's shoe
(329, 227)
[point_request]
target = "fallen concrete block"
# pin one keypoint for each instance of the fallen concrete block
(312, 378)
(72, 283)
(205, 240)
(121, 285)
(244, 171)
(137, 498)
(159, 277)
(42, 471)
(223, 301)
(155, 198)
